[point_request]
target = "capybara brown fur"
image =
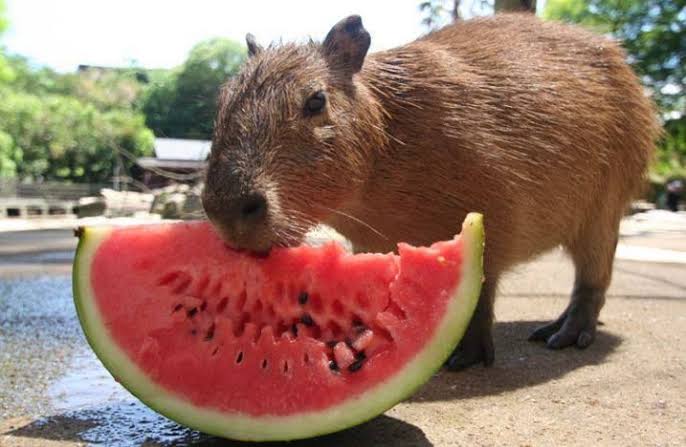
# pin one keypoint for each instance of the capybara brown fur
(540, 126)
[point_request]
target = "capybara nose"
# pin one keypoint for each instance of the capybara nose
(239, 213)
(241, 221)
(251, 208)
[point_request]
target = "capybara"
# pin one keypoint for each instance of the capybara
(543, 127)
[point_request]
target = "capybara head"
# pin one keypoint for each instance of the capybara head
(293, 139)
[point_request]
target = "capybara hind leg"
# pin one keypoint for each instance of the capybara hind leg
(593, 254)
(477, 344)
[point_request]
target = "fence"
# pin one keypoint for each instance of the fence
(124, 197)
(47, 190)
(19, 199)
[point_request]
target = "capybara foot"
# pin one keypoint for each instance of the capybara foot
(473, 349)
(572, 328)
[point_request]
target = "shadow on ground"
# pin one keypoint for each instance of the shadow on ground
(132, 425)
(519, 363)
(609, 296)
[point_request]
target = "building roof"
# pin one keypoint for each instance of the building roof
(152, 163)
(181, 149)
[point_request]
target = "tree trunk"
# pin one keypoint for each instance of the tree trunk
(515, 5)
(455, 11)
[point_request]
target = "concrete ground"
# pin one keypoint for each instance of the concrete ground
(628, 388)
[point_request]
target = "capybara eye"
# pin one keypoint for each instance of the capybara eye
(315, 104)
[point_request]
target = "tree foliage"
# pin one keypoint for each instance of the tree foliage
(437, 13)
(106, 88)
(58, 137)
(515, 5)
(80, 126)
(3, 19)
(8, 155)
(654, 34)
(5, 72)
(70, 127)
(182, 103)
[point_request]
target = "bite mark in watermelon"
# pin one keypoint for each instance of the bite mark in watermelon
(306, 341)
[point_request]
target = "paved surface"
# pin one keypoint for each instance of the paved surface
(629, 388)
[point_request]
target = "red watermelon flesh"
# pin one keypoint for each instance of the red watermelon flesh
(270, 347)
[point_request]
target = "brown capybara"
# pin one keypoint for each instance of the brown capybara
(540, 126)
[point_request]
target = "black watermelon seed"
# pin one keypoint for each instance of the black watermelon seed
(177, 308)
(294, 329)
(303, 297)
(331, 343)
(355, 366)
(210, 333)
(333, 366)
(307, 320)
(360, 355)
(191, 312)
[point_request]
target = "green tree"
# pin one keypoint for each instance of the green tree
(9, 155)
(28, 78)
(57, 137)
(671, 158)
(70, 127)
(436, 12)
(157, 105)
(5, 72)
(106, 88)
(515, 5)
(654, 35)
(3, 19)
(182, 104)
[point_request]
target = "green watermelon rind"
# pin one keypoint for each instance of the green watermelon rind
(349, 413)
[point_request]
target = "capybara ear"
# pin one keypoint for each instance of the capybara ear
(346, 45)
(253, 47)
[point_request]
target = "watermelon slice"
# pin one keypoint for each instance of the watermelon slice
(303, 342)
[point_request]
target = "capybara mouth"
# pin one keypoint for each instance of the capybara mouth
(252, 242)
(259, 243)
(254, 253)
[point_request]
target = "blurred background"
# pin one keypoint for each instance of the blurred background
(106, 108)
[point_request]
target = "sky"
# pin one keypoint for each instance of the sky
(158, 34)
